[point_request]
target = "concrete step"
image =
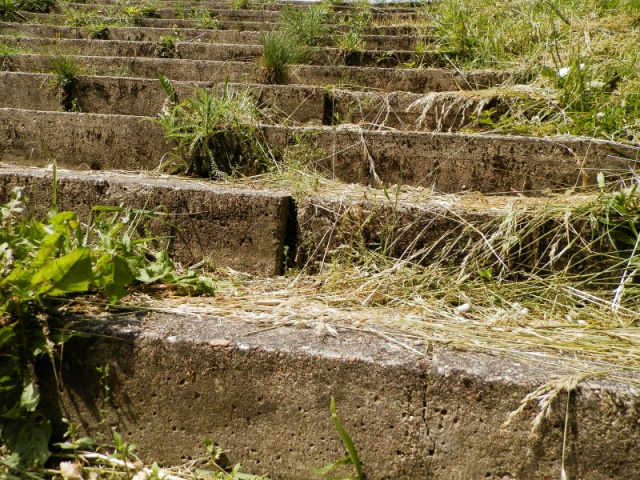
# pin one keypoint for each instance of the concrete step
(224, 13)
(443, 111)
(387, 8)
(151, 34)
(260, 386)
(179, 11)
(145, 97)
(385, 79)
(214, 51)
(58, 19)
(442, 161)
(230, 227)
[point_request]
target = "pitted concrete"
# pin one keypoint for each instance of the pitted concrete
(263, 394)
(445, 162)
(241, 229)
(146, 97)
(151, 34)
(385, 79)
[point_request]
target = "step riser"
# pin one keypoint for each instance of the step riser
(266, 396)
(172, 13)
(239, 229)
(211, 52)
(313, 105)
(410, 30)
(138, 97)
(409, 80)
(237, 15)
(445, 162)
(135, 34)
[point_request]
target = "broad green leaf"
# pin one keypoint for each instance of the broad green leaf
(65, 218)
(10, 385)
(118, 279)
(68, 274)
(48, 247)
(30, 397)
(28, 438)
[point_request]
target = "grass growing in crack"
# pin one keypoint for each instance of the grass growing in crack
(65, 77)
(216, 133)
(280, 50)
(352, 457)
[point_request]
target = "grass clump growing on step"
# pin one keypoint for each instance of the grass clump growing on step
(215, 133)
(65, 77)
(310, 25)
(280, 50)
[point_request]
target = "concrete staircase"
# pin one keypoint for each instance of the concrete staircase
(254, 368)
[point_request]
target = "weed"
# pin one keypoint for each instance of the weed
(134, 14)
(166, 47)
(205, 19)
(352, 457)
(311, 25)
(36, 6)
(216, 133)
(40, 262)
(65, 77)
(279, 51)
(99, 31)
(79, 18)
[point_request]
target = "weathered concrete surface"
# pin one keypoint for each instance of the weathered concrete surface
(385, 79)
(241, 25)
(241, 229)
(119, 48)
(225, 13)
(214, 51)
(297, 103)
(146, 97)
(442, 161)
(28, 91)
(136, 34)
(263, 395)
(151, 34)
(460, 162)
(80, 140)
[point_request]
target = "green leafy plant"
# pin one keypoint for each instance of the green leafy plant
(279, 51)
(216, 133)
(166, 47)
(352, 457)
(206, 19)
(43, 262)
